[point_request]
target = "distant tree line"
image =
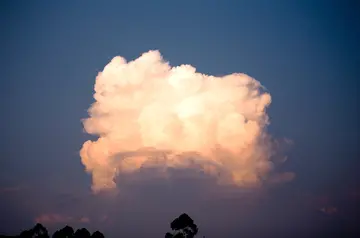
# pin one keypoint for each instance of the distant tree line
(182, 227)
(39, 231)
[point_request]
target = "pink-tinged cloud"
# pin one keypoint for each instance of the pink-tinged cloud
(330, 210)
(355, 194)
(53, 218)
(322, 201)
(149, 114)
(9, 189)
(58, 218)
(324, 204)
(104, 218)
(84, 220)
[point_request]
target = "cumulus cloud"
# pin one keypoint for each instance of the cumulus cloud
(149, 114)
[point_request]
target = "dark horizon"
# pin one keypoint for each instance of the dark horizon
(306, 54)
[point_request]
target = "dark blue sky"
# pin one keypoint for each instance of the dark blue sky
(306, 53)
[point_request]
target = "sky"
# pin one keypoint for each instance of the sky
(305, 53)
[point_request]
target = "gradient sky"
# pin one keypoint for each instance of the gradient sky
(306, 53)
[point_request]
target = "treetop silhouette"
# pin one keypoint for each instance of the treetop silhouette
(39, 231)
(183, 227)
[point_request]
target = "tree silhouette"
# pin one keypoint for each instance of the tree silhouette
(57, 234)
(183, 227)
(66, 232)
(26, 234)
(82, 233)
(38, 231)
(97, 234)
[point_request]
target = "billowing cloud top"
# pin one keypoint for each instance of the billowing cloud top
(148, 113)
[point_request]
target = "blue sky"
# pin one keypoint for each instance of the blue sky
(306, 53)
